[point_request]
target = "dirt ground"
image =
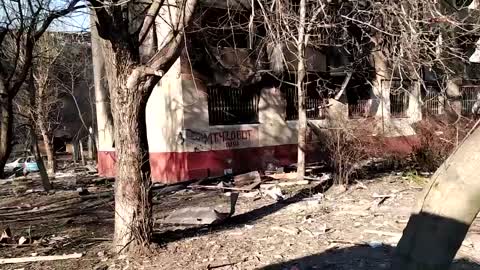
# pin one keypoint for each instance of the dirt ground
(312, 228)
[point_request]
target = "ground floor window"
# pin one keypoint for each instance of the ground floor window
(359, 97)
(231, 106)
(432, 99)
(470, 99)
(315, 97)
(399, 98)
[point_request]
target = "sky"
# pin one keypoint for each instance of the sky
(79, 21)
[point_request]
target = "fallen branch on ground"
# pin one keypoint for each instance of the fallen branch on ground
(41, 258)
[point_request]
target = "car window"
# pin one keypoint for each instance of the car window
(21, 160)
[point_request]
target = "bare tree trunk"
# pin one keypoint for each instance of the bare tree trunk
(48, 144)
(82, 155)
(133, 212)
(75, 151)
(444, 213)
(6, 125)
(91, 146)
(302, 114)
(133, 208)
(33, 136)
(38, 158)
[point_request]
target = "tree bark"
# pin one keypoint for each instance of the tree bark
(34, 142)
(444, 213)
(48, 144)
(82, 155)
(6, 125)
(47, 186)
(302, 114)
(133, 208)
(130, 82)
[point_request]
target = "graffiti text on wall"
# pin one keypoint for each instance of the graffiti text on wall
(226, 138)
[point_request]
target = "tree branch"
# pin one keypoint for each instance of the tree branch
(150, 19)
(172, 48)
(72, 6)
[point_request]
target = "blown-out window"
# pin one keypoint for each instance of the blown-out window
(359, 96)
(314, 99)
(231, 106)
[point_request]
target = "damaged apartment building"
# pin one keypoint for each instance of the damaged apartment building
(220, 109)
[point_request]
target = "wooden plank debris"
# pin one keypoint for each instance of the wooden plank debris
(40, 258)
(220, 187)
(284, 184)
(245, 179)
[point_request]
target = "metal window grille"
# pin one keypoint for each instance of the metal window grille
(231, 106)
(399, 99)
(432, 104)
(360, 109)
(314, 105)
(469, 98)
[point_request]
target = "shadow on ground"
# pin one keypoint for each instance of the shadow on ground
(360, 257)
(238, 220)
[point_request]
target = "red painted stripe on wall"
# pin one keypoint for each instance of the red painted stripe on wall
(173, 167)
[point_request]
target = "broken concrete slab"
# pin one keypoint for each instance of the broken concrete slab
(201, 215)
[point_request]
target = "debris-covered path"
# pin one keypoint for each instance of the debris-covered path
(337, 229)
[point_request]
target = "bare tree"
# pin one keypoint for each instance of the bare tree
(22, 24)
(138, 51)
(46, 106)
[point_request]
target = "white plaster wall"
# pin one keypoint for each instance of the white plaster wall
(273, 129)
(165, 113)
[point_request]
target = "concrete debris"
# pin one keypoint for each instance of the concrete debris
(245, 179)
(22, 240)
(6, 235)
(252, 194)
(54, 239)
(284, 176)
(323, 178)
(201, 215)
(82, 191)
(275, 193)
(91, 169)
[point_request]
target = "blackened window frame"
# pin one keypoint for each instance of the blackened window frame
(232, 106)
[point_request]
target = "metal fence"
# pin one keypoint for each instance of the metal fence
(469, 98)
(360, 109)
(315, 105)
(230, 106)
(432, 101)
